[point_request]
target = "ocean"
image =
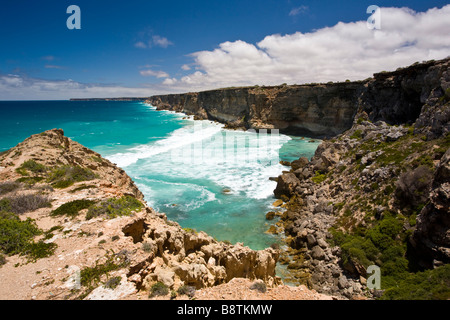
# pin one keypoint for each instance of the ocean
(201, 175)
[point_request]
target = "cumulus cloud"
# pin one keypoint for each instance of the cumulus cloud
(344, 51)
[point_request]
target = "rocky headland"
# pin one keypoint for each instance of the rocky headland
(376, 191)
(74, 226)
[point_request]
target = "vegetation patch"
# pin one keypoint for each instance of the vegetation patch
(318, 178)
(19, 204)
(8, 186)
(65, 176)
(159, 289)
(90, 277)
(72, 208)
(113, 207)
(17, 237)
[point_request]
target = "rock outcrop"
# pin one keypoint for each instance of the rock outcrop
(378, 194)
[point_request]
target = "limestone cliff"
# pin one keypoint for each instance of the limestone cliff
(318, 109)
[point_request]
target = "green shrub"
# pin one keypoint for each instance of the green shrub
(38, 250)
(30, 180)
(33, 166)
(16, 235)
(66, 176)
(91, 276)
(318, 178)
(113, 208)
(159, 289)
(72, 208)
(356, 135)
(426, 285)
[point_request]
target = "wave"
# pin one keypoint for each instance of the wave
(177, 140)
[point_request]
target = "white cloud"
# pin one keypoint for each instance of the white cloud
(185, 67)
(344, 51)
(155, 41)
(161, 41)
(158, 74)
(299, 10)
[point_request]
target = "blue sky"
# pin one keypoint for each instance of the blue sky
(149, 47)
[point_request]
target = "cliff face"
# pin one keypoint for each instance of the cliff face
(317, 109)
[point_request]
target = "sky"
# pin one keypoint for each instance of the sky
(139, 48)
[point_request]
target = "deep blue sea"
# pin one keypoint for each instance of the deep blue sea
(199, 174)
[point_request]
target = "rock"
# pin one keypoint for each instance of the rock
(277, 203)
(318, 253)
(322, 243)
(286, 185)
(343, 282)
(300, 163)
(311, 240)
(270, 215)
(394, 135)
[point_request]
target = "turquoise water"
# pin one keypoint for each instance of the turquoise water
(202, 176)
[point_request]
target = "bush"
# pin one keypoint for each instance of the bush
(90, 276)
(72, 208)
(20, 204)
(318, 178)
(413, 186)
(259, 286)
(66, 176)
(187, 291)
(113, 208)
(427, 285)
(38, 250)
(113, 283)
(159, 289)
(16, 235)
(33, 166)
(8, 186)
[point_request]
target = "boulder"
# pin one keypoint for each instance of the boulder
(286, 185)
(300, 163)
